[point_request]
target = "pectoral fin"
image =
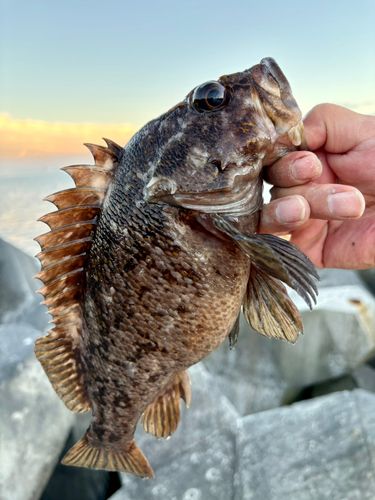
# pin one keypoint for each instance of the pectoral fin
(269, 310)
(276, 257)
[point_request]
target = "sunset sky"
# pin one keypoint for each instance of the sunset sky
(75, 71)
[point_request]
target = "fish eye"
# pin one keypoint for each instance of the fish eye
(210, 96)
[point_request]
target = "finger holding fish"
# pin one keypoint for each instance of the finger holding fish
(327, 201)
(294, 169)
(284, 215)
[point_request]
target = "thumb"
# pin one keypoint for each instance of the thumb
(335, 128)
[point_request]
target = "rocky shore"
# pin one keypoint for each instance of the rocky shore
(268, 420)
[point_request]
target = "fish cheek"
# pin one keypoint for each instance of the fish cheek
(190, 163)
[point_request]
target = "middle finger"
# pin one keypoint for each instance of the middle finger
(327, 201)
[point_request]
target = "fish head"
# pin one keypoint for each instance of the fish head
(213, 145)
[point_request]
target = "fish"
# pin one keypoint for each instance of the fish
(151, 257)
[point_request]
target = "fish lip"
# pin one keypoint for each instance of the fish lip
(157, 188)
(239, 203)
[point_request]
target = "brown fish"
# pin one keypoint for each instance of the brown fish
(150, 258)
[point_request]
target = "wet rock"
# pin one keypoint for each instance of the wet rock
(339, 335)
(34, 425)
(198, 461)
(318, 449)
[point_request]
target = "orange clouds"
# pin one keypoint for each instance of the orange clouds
(29, 138)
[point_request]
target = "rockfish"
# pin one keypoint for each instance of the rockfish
(152, 255)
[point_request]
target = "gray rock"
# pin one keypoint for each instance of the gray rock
(22, 318)
(204, 472)
(318, 449)
(79, 483)
(368, 276)
(364, 377)
(34, 425)
(339, 277)
(248, 375)
(17, 344)
(198, 461)
(208, 412)
(339, 335)
(19, 302)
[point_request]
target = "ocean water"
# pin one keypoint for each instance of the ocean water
(23, 185)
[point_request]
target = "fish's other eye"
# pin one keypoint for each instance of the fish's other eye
(210, 96)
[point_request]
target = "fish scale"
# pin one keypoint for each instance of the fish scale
(151, 257)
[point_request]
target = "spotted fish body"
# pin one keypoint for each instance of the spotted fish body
(152, 255)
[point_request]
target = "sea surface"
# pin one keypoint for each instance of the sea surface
(23, 185)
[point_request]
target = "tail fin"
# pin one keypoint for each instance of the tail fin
(131, 460)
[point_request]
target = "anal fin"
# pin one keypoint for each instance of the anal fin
(162, 416)
(131, 459)
(268, 308)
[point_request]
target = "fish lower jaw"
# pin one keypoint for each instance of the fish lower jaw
(245, 202)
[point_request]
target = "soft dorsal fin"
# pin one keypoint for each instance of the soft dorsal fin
(64, 251)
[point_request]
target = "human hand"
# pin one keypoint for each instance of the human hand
(326, 198)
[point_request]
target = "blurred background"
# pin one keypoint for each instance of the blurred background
(76, 71)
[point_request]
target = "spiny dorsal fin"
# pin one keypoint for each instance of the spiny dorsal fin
(63, 257)
(115, 148)
(104, 157)
(71, 215)
(87, 175)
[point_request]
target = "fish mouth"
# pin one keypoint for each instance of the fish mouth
(238, 201)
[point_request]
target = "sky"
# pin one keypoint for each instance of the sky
(75, 71)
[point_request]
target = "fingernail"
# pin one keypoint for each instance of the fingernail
(349, 204)
(292, 210)
(306, 168)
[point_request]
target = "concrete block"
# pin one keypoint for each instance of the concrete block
(313, 450)
(34, 425)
